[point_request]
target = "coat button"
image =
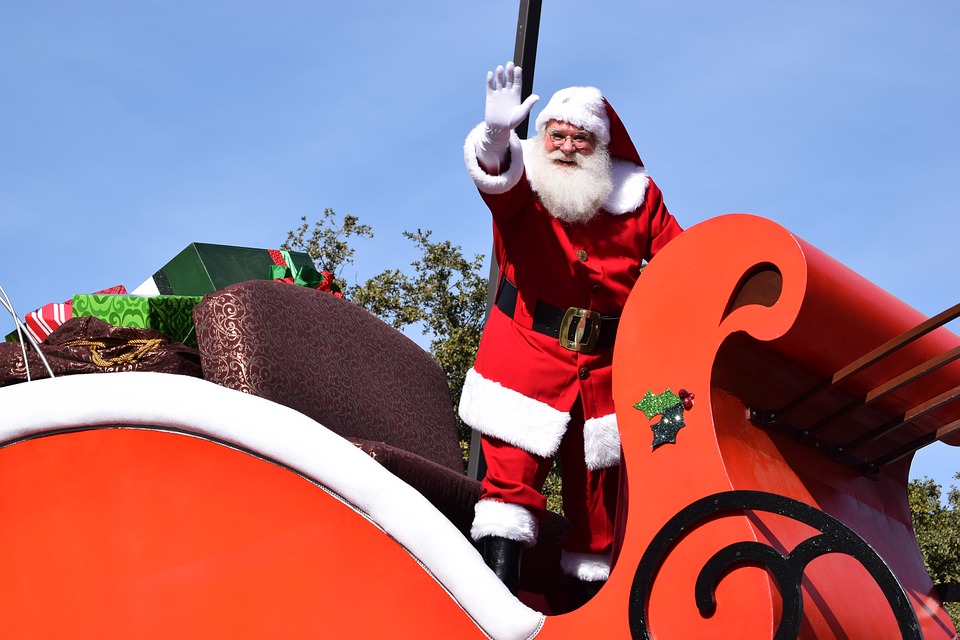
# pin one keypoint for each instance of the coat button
(584, 373)
(582, 255)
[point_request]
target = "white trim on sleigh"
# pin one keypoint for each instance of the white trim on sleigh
(205, 409)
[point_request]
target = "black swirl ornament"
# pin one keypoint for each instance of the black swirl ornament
(786, 570)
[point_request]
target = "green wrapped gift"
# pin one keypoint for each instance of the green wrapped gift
(204, 268)
(172, 315)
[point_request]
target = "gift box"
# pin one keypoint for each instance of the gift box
(43, 321)
(203, 268)
(171, 315)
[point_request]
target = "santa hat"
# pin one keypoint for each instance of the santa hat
(585, 107)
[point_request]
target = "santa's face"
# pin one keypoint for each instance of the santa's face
(570, 173)
(569, 140)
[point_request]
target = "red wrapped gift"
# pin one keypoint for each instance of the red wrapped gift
(43, 321)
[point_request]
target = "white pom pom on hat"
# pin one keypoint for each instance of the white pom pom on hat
(580, 106)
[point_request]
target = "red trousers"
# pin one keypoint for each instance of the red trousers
(516, 477)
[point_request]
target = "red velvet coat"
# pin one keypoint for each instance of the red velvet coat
(524, 383)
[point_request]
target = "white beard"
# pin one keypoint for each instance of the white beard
(574, 192)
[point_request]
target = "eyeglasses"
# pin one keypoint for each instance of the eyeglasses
(580, 139)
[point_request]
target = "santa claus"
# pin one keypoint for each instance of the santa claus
(574, 216)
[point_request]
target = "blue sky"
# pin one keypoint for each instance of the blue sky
(130, 129)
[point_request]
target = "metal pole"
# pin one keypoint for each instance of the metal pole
(524, 56)
(525, 50)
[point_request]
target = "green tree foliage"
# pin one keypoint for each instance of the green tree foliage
(445, 296)
(937, 525)
(327, 241)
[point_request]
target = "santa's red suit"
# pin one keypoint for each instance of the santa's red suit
(529, 396)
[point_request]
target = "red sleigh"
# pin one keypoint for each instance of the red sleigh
(309, 487)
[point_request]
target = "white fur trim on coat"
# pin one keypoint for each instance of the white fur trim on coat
(505, 414)
(601, 442)
(629, 187)
(589, 567)
(504, 520)
(484, 181)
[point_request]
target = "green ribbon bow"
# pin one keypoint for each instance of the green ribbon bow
(307, 276)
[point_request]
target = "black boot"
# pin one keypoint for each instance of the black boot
(588, 589)
(503, 557)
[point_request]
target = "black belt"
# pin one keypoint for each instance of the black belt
(577, 329)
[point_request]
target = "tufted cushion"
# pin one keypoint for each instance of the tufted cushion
(315, 353)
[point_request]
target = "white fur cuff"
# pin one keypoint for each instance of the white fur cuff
(505, 520)
(505, 414)
(589, 567)
(484, 181)
(601, 442)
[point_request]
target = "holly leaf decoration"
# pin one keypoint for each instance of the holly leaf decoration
(665, 430)
(670, 407)
(653, 404)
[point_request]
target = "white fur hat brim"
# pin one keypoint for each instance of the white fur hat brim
(580, 106)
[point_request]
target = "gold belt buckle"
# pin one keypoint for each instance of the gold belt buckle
(585, 332)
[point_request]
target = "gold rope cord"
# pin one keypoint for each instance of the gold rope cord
(144, 347)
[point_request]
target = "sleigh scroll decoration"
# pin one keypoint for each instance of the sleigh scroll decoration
(792, 469)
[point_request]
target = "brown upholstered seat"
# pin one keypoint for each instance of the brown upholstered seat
(313, 352)
(335, 362)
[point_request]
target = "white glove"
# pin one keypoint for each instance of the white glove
(504, 113)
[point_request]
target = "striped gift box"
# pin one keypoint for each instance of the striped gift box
(42, 322)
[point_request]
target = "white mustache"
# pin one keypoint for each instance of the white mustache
(557, 154)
